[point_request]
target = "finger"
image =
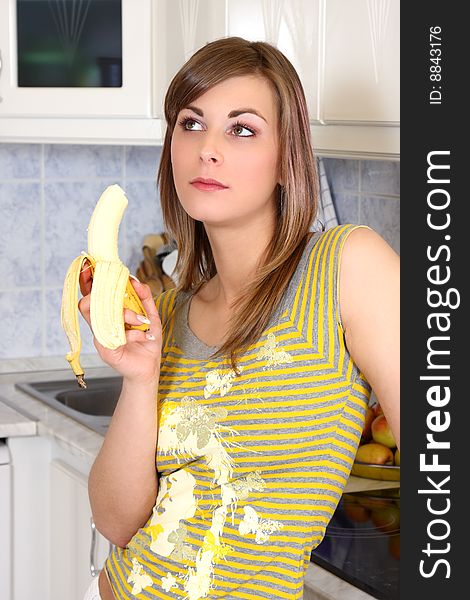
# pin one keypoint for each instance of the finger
(84, 308)
(145, 294)
(130, 316)
(136, 335)
(133, 318)
(85, 279)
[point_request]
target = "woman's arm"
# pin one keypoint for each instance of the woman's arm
(123, 483)
(369, 288)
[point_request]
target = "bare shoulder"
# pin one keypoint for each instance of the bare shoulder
(369, 271)
(364, 242)
(369, 298)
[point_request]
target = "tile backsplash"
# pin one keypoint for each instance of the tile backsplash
(367, 192)
(47, 194)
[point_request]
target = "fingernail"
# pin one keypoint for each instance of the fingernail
(143, 319)
(149, 336)
(133, 277)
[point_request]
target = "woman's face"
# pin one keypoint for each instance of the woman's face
(228, 134)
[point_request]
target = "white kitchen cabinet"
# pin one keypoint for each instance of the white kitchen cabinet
(30, 456)
(291, 26)
(5, 522)
(158, 36)
(347, 56)
(77, 548)
(111, 100)
(184, 26)
(345, 51)
(53, 539)
(66, 64)
(360, 82)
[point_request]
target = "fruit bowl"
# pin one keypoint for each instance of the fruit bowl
(371, 471)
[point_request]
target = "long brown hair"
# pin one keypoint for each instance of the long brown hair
(297, 197)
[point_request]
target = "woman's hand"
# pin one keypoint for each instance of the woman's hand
(139, 359)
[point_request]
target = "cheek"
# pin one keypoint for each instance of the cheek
(179, 158)
(259, 166)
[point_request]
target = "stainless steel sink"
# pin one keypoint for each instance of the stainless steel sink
(93, 406)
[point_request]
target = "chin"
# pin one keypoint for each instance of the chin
(210, 219)
(207, 212)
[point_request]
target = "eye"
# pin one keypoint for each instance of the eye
(241, 126)
(187, 123)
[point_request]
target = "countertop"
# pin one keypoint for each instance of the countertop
(13, 424)
(21, 414)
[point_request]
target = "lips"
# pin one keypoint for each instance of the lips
(209, 184)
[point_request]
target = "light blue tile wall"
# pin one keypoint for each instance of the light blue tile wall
(47, 193)
(367, 192)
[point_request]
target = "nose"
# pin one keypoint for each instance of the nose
(209, 152)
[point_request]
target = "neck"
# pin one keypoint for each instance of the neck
(237, 253)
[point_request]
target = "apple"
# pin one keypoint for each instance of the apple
(373, 502)
(357, 513)
(366, 431)
(396, 458)
(381, 432)
(386, 519)
(394, 546)
(378, 410)
(374, 453)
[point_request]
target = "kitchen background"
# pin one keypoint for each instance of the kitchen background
(48, 192)
(81, 107)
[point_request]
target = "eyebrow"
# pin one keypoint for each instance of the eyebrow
(233, 113)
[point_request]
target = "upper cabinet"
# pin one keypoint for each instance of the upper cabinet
(359, 62)
(347, 56)
(98, 70)
(77, 70)
(76, 58)
(182, 27)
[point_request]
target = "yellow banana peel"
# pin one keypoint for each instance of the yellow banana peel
(111, 291)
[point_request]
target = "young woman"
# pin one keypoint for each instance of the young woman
(242, 408)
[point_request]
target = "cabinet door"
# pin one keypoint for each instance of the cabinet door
(346, 53)
(291, 26)
(72, 534)
(182, 27)
(74, 58)
(5, 524)
(30, 458)
(361, 79)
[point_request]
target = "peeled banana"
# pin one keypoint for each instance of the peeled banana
(111, 290)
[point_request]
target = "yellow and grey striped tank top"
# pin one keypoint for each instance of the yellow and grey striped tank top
(250, 467)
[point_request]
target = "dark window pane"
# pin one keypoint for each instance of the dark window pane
(69, 43)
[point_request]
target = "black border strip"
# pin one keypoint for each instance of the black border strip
(434, 248)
